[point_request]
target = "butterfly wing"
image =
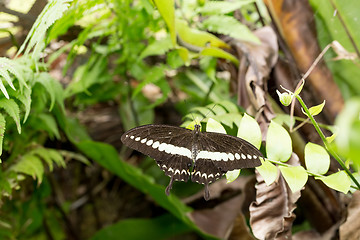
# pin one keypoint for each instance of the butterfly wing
(168, 145)
(219, 153)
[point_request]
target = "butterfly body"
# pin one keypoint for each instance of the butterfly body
(183, 153)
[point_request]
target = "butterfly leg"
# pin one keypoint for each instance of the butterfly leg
(207, 192)
(168, 188)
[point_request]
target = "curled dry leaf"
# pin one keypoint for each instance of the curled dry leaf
(271, 215)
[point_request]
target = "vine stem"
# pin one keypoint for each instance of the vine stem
(327, 146)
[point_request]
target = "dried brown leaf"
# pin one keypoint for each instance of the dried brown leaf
(271, 215)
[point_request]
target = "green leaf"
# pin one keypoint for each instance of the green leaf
(249, 130)
(232, 175)
(299, 89)
(230, 26)
(167, 11)
(25, 98)
(53, 87)
(158, 47)
(2, 132)
(196, 37)
(214, 126)
(222, 7)
(35, 39)
(285, 98)
(278, 143)
(268, 171)
(296, 177)
(31, 165)
(317, 160)
(49, 124)
(11, 108)
(315, 110)
(348, 139)
(163, 227)
(338, 181)
(219, 53)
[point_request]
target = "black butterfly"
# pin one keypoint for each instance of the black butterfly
(182, 153)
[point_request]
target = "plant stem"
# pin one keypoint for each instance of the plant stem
(328, 148)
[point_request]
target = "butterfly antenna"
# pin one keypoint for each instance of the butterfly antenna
(210, 110)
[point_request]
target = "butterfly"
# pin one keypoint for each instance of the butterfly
(183, 153)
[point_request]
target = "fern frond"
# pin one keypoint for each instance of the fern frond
(2, 131)
(31, 165)
(36, 37)
(9, 66)
(48, 123)
(25, 98)
(11, 108)
(53, 87)
(230, 26)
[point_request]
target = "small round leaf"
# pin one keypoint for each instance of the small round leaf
(278, 143)
(232, 175)
(268, 171)
(338, 181)
(317, 160)
(249, 130)
(296, 177)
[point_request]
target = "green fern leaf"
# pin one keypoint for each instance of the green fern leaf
(11, 108)
(25, 98)
(31, 165)
(53, 87)
(57, 157)
(36, 37)
(230, 26)
(2, 132)
(49, 124)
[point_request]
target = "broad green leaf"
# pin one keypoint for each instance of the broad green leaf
(229, 106)
(31, 165)
(11, 108)
(232, 175)
(296, 177)
(167, 11)
(214, 126)
(268, 171)
(317, 160)
(315, 110)
(278, 143)
(338, 181)
(228, 119)
(249, 130)
(217, 52)
(222, 7)
(348, 139)
(163, 227)
(230, 26)
(284, 119)
(196, 37)
(184, 54)
(2, 132)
